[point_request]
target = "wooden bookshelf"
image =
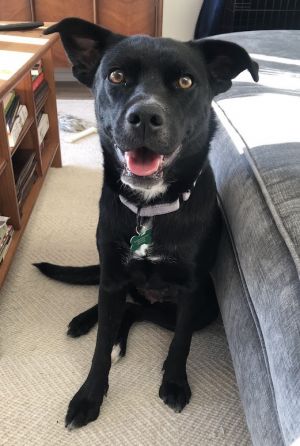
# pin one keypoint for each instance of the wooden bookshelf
(19, 51)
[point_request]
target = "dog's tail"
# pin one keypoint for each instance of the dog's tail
(76, 275)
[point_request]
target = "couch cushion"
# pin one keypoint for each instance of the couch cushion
(265, 118)
(256, 159)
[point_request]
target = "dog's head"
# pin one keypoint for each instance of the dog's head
(153, 95)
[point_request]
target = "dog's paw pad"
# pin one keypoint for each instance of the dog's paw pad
(175, 394)
(81, 412)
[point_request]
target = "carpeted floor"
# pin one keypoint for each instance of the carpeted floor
(41, 368)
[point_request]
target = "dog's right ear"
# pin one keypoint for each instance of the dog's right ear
(85, 43)
(224, 61)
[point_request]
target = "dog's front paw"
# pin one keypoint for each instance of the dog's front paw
(176, 394)
(82, 409)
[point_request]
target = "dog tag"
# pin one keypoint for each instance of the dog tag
(145, 238)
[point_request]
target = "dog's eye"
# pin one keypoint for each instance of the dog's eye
(184, 82)
(117, 77)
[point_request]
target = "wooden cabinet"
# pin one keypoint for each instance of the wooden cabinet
(129, 16)
(122, 16)
(15, 10)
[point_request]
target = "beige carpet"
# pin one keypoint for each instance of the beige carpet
(41, 368)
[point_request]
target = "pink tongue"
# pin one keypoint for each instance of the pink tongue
(142, 164)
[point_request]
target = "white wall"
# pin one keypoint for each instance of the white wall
(180, 17)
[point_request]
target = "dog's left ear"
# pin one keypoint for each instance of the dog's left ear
(85, 43)
(225, 60)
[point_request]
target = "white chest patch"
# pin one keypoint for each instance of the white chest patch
(142, 251)
(148, 194)
(155, 259)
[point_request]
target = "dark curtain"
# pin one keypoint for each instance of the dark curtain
(209, 18)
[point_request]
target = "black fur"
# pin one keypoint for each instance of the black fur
(76, 275)
(149, 109)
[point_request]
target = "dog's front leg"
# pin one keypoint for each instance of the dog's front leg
(175, 390)
(85, 405)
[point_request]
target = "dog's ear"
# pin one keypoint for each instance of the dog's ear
(85, 44)
(225, 60)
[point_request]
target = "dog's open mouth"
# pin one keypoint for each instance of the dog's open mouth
(143, 169)
(143, 162)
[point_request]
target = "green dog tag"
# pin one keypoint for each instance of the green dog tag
(141, 239)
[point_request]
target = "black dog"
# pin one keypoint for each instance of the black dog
(159, 221)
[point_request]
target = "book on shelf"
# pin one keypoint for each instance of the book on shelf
(40, 94)
(36, 69)
(6, 233)
(37, 81)
(18, 124)
(43, 127)
(24, 166)
(12, 112)
(3, 226)
(7, 100)
(5, 243)
(23, 113)
(39, 115)
(23, 162)
(26, 189)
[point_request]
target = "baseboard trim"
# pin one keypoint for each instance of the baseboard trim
(63, 75)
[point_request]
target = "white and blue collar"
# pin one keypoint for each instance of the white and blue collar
(161, 208)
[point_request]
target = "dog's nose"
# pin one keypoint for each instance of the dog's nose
(149, 116)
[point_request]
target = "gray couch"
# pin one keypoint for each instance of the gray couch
(256, 159)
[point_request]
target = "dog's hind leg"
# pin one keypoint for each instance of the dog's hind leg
(210, 310)
(83, 323)
(162, 314)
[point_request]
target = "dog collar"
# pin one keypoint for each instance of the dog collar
(159, 209)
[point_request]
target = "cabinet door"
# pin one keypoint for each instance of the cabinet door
(128, 16)
(15, 10)
(55, 10)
